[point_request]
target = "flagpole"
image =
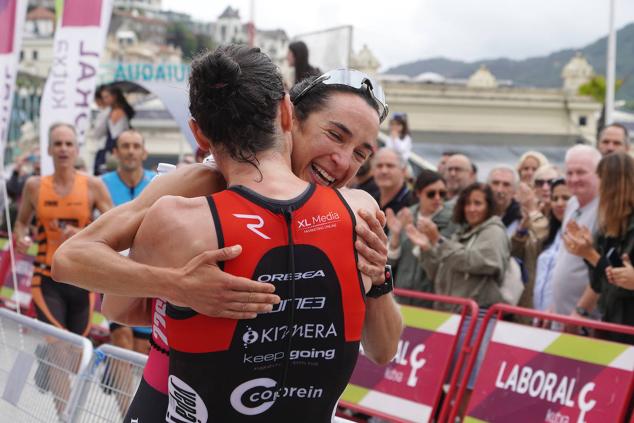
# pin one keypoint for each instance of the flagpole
(610, 68)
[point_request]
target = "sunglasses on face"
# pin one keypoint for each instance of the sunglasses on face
(354, 79)
(550, 182)
(432, 194)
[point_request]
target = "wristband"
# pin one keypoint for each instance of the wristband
(385, 288)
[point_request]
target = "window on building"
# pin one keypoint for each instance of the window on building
(583, 120)
(21, 55)
(223, 32)
(34, 55)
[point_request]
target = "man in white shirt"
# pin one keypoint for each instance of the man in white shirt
(571, 275)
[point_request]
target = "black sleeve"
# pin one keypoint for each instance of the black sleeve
(597, 274)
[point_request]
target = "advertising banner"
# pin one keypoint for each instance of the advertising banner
(409, 386)
(536, 375)
(80, 39)
(12, 15)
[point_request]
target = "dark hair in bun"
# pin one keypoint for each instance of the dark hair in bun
(234, 93)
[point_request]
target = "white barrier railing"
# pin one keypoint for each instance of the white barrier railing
(108, 386)
(51, 375)
(39, 369)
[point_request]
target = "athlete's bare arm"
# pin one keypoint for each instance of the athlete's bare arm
(25, 214)
(383, 323)
(167, 238)
(90, 259)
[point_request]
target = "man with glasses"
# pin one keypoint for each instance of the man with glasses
(460, 174)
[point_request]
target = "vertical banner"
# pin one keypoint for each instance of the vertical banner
(12, 15)
(80, 39)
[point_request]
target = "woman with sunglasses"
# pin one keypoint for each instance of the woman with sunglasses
(431, 191)
(541, 184)
(472, 262)
(329, 145)
(538, 249)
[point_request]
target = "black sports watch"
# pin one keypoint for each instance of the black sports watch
(385, 288)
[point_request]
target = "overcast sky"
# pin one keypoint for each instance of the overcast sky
(400, 31)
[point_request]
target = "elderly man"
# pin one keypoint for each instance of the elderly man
(389, 174)
(459, 173)
(613, 137)
(504, 182)
(570, 275)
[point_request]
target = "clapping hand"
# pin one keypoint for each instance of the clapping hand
(622, 276)
(578, 240)
(396, 222)
(418, 238)
(429, 229)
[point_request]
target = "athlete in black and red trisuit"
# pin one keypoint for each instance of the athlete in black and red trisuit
(299, 352)
(255, 368)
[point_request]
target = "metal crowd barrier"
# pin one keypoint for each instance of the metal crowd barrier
(39, 369)
(536, 374)
(108, 385)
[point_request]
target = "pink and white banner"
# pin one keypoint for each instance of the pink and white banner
(12, 14)
(80, 39)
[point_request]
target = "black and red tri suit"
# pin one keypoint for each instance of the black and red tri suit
(293, 363)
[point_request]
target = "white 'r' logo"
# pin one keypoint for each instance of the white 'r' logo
(253, 227)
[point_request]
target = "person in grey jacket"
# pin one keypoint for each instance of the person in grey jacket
(431, 191)
(472, 263)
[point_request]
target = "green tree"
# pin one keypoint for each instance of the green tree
(595, 88)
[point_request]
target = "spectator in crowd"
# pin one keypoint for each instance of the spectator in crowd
(364, 180)
(542, 181)
(613, 137)
(400, 139)
(390, 171)
(571, 276)
(528, 164)
(441, 167)
(297, 58)
(470, 264)
(121, 112)
(125, 184)
(538, 248)
(26, 165)
(460, 173)
(504, 182)
(614, 245)
(431, 191)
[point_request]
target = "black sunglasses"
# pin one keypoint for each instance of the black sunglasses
(550, 182)
(432, 194)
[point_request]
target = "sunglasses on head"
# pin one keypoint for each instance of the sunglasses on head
(431, 194)
(354, 79)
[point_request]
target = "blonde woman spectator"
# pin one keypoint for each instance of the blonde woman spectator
(528, 164)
